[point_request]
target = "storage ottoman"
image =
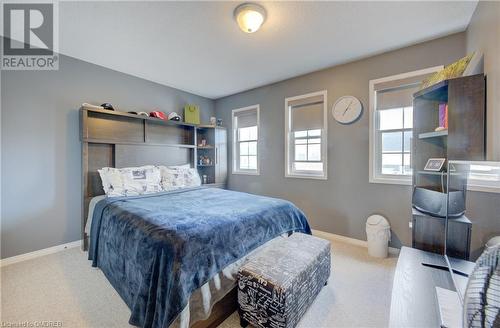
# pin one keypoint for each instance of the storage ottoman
(279, 283)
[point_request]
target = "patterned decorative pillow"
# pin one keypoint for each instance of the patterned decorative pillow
(141, 180)
(131, 181)
(180, 177)
(112, 182)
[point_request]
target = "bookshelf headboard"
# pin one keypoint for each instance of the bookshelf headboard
(118, 139)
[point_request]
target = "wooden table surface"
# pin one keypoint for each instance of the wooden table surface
(414, 302)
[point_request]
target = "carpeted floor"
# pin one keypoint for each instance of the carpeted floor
(63, 287)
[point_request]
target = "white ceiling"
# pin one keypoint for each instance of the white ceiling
(197, 46)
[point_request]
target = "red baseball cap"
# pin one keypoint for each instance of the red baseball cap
(158, 114)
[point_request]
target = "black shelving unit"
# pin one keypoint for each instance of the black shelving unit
(464, 139)
(213, 173)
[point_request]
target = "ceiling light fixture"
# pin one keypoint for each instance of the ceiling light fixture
(249, 17)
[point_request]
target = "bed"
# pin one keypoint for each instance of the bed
(157, 249)
(171, 256)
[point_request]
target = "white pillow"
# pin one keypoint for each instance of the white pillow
(112, 182)
(131, 181)
(141, 180)
(172, 179)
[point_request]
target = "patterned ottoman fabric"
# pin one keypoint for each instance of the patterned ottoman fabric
(279, 283)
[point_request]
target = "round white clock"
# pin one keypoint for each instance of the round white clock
(347, 109)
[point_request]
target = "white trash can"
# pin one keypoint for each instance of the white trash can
(378, 233)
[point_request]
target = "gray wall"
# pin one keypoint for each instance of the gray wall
(341, 204)
(41, 161)
(483, 35)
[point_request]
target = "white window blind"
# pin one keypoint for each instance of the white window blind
(246, 139)
(306, 136)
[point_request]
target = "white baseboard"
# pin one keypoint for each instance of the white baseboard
(58, 248)
(42, 252)
(348, 240)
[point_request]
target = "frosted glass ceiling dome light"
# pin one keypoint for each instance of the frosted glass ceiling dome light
(250, 17)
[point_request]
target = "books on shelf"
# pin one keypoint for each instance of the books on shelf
(443, 117)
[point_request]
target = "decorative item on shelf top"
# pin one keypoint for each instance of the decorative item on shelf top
(205, 160)
(219, 122)
(107, 106)
(173, 116)
(192, 114)
(90, 106)
(213, 120)
(443, 117)
(158, 114)
(139, 113)
(451, 71)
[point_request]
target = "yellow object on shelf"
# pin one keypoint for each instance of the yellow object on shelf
(192, 114)
(451, 71)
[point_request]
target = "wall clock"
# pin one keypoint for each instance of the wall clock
(347, 109)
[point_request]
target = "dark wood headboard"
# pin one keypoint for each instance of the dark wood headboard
(118, 139)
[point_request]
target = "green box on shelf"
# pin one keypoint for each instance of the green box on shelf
(192, 114)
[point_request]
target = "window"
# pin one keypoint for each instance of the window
(484, 176)
(246, 140)
(306, 136)
(395, 131)
(391, 123)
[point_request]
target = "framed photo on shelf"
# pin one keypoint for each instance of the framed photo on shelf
(434, 164)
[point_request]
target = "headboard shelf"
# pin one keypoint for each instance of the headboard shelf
(117, 142)
(137, 117)
(103, 127)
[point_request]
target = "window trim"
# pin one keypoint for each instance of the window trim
(235, 154)
(374, 145)
(324, 138)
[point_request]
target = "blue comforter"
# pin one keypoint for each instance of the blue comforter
(157, 249)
